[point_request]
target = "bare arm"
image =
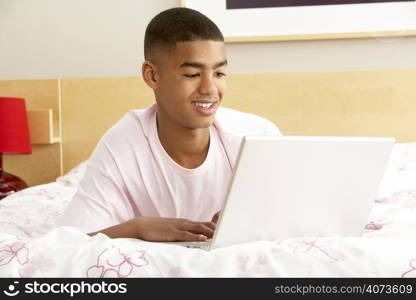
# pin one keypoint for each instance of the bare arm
(160, 230)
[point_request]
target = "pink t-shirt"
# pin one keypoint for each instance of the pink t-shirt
(130, 174)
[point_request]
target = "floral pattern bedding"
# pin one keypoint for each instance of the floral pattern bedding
(31, 244)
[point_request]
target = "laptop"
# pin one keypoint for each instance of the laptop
(300, 186)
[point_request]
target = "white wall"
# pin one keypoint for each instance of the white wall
(74, 38)
(329, 55)
(104, 38)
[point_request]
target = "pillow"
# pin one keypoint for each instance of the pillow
(74, 176)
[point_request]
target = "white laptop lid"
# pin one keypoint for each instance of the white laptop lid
(293, 186)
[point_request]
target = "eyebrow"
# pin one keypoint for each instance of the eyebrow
(201, 66)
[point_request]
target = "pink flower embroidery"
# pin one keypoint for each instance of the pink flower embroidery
(38, 262)
(174, 272)
(119, 265)
(323, 246)
(17, 250)
(253, 268)
(373, 226)
(412, 271)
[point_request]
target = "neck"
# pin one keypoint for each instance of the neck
(187, 147)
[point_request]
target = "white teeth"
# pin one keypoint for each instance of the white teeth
(205, 105)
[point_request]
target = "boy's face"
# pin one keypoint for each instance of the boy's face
(191, 83)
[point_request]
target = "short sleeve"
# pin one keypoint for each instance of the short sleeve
(101, 200)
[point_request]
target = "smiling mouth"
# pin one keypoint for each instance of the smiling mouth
(203, 104)
(205, 108)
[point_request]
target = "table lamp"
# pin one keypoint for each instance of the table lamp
(14, 139)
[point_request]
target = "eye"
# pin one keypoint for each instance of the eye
(219, 74)
(191, 75)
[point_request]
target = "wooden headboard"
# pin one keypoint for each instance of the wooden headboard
(353, 103)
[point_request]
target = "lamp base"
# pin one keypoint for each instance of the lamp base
(10, 184)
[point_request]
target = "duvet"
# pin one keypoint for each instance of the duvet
(31, 244)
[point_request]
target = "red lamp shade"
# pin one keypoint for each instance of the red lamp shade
(14, 139)
(14, 129)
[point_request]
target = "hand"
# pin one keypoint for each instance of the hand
(215, 217)
(169, 229)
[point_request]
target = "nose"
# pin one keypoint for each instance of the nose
(207, 85)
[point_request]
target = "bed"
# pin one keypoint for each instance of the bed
(31, 244)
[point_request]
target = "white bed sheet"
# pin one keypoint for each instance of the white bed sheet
(32, 246)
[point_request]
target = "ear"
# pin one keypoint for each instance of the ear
(150, 74)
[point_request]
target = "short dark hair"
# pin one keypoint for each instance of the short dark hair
(178, 24)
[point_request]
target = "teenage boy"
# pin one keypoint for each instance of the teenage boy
(161, 174)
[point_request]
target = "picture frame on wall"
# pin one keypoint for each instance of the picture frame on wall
(285, 20)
